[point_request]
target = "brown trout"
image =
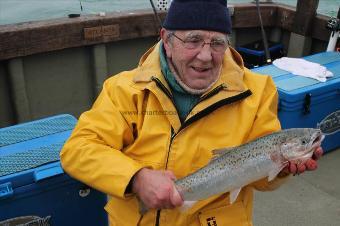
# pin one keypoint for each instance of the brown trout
(233, 168)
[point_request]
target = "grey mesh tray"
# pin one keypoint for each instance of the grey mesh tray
(35, 143)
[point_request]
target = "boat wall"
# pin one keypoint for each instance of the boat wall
(6, 109)
(317, 45)
(125, 55)
(63, 81)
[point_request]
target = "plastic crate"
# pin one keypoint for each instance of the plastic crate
(34, 189)
(253, 54)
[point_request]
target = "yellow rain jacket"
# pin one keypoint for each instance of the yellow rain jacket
(134, 124)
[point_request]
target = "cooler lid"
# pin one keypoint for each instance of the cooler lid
(29, 152)
(37, 128)
(293, 88)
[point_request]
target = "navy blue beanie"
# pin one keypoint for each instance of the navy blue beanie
(211, 15)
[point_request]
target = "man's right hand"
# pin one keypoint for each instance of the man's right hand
(156, 189)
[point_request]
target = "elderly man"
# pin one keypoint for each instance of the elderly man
(189, 95)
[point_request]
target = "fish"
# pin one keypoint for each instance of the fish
(233, 168)
(331, 123)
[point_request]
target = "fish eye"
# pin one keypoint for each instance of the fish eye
(304, 142)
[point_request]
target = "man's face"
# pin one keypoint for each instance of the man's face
(200, 66)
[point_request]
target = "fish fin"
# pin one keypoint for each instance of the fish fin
(218, 152)
(273, 173)
(187, 205)
(233, 195)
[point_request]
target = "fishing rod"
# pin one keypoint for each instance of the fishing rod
(334, 26)
(264, 37)
(156, 14)
(81, 6)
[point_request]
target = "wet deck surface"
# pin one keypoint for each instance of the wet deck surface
(312, 198)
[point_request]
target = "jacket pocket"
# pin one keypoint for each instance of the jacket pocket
(123, 211)
(231, 215)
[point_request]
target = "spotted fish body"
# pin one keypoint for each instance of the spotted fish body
(234, 168)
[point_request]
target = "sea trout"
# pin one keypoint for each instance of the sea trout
(233, 168)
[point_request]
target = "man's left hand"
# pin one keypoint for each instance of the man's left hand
(309, 165)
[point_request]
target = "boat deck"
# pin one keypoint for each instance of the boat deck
(312, 198)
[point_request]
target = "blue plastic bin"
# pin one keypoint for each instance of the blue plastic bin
(304, 102)
(32, 182)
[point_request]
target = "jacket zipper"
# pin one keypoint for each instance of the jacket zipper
(168, 93)
(212, 92)
(199, 115)
(173, 134)
(163, 88)
(215, 106)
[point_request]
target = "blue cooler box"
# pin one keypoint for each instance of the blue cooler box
(304, 102)
(34, 187)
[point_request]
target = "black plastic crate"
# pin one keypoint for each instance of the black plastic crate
(254, 55)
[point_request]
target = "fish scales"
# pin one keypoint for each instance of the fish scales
(224, 173)
(242, 165)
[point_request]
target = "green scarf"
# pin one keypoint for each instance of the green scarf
(183, 100)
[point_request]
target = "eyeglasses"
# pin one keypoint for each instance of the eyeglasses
(218, 46)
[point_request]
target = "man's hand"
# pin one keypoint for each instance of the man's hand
(310, 164)
(156, 189)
